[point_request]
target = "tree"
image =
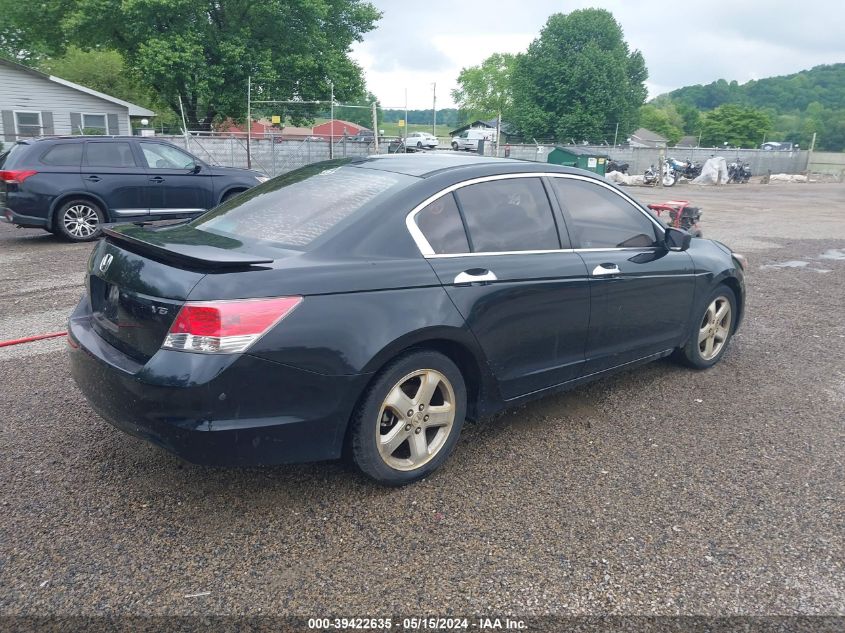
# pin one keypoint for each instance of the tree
(204, 50)
(740, 126)
(691, 118)
(104, 70)
(484, 91)
(666, 121)
(578, 79)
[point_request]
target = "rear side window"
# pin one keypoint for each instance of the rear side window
(440, 223)
(600, 218)
(13, 156)
(508, 215)
(296, 208)
(109, 154)
(63, 154)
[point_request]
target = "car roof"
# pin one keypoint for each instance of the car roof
(79, 138)
(429, 164)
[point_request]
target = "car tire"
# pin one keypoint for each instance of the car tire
(455, 146)
(229, 195)
(710, 333)
(79, 220)
(398, 447)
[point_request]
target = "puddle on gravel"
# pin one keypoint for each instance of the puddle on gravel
(833, 253)
(793, 263)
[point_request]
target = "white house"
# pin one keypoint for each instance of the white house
(33, 103)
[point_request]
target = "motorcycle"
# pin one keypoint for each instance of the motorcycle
(652, 175)
(739, 172)
(613, 165)
(687, 169)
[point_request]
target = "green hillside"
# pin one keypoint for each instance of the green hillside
(797, 105)
(824, 85)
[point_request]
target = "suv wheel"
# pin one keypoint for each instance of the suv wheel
(79, 221)
(409, 419)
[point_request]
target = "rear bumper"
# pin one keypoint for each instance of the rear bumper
(28, 221)
(223, 410)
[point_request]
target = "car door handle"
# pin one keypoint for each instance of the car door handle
(93, 179)
(475, 276)
(157, 179)
(605, 270)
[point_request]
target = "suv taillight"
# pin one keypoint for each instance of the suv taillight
(226, 327)
(16, 176)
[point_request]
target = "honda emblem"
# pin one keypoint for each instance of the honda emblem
(106, 262)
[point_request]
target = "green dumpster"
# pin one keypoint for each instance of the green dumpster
(581, 157)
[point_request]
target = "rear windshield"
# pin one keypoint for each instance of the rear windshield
(10, 157)
(295, 209)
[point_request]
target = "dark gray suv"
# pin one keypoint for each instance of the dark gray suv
(71, 186)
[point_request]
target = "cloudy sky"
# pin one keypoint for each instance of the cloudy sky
(420, 43)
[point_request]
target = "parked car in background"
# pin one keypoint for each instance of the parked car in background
(364, 136)
(422, 140)
(779, 146)
(468, 140)
(71, 186)
(266, 331)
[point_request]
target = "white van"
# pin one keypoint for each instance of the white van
(469, 139)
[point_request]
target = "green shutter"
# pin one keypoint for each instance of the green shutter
(76, 123)
(9, 126)
(47, 124)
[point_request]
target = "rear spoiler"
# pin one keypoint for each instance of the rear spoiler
(193, 255)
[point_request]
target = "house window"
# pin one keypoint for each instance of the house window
(94, 124)
(28, 123)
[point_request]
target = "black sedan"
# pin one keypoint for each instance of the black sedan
(368, 307)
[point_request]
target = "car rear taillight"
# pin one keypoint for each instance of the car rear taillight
(226, 327)
(16, 176)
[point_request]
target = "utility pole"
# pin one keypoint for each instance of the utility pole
(375, 125)
(331, 123)
(248, 121)
(434, 108)
(615, 135)
(405, 144)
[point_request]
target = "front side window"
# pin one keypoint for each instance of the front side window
(600, 218)
(440, 223)
(109, 154)
(508, 215)
(161, 156)
(94, 124)
(29, 123)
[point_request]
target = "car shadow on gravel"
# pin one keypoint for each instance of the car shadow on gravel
(152, 469)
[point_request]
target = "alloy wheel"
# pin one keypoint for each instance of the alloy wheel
(415, 419)
(81, 221)
(715, 327)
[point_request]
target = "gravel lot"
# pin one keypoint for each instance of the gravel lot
(659, 491)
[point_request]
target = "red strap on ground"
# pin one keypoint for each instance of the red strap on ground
(30, 339)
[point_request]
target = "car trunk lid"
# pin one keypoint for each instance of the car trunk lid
(138, 280)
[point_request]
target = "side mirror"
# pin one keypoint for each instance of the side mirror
(197, 168)
(677, 239)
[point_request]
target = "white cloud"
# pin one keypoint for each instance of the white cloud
(417, 44)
